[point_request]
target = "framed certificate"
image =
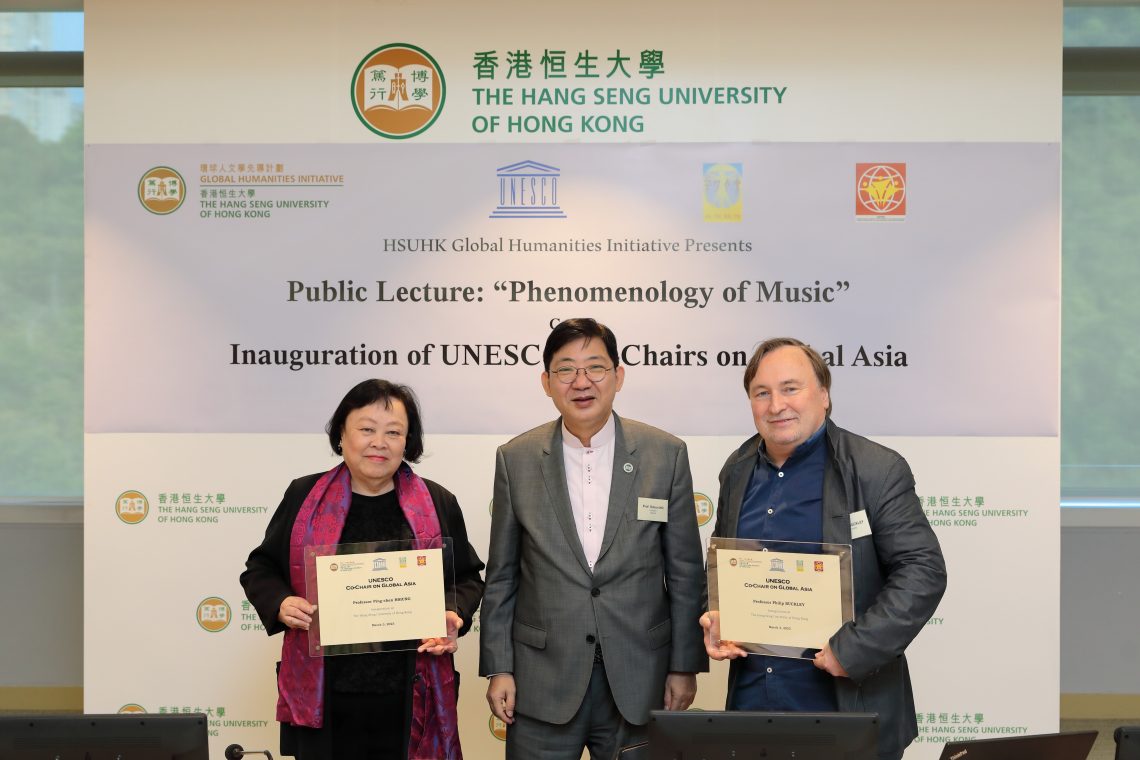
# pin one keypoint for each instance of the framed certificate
(781, 598)
(378, 596)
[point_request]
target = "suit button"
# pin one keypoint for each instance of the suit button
(590, 638)
(595, 592)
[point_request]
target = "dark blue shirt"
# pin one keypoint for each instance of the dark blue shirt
(785, 504)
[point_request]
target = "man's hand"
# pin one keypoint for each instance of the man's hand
(449, 643)
(716, 648)
(296, 612)
(826, 660)
(680, 688)
(501, 697)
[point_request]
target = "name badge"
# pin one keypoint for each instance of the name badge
(860, 525)
(656, 510)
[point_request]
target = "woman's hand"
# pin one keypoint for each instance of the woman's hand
(296, 612)
(445, 645)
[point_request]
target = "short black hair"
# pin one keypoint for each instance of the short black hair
(370, 392)
(579, 328)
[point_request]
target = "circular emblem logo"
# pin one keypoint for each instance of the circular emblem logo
(882, 189)
(132, 507)
(398, 91)
(333, 567)
(162, 190)
(213, 614)
(732, 562)
(497, 728)
(131, 708)
(705, 509)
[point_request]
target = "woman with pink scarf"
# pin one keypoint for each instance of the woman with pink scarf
(393, 705)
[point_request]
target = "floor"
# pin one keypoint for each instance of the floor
(1105, 747)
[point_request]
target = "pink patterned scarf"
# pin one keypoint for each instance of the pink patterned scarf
(300, 682)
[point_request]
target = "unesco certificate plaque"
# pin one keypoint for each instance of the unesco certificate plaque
(377, 596)
(783, 598)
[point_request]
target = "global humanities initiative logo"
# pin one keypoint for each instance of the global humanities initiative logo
(398, 91)
(214, 614)
(132, 507)
(162, 190)
(880, 191)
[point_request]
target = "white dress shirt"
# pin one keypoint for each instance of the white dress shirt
(589, 470)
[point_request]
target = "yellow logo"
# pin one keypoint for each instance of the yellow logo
(132, 708)
(162, 190)
(132, 507)
(213, 614)
(498, 728)
(723, 184)
(398, 91)
(705, 509)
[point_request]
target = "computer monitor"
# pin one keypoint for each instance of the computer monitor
(130, 736)
(716, 735)
(1127, 742)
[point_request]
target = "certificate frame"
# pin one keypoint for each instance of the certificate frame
(803, 604)
(379, 608)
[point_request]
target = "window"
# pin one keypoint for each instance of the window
(41, 257)
(1100, 356)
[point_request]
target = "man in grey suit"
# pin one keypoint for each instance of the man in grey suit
(595, 578)
(802, 478)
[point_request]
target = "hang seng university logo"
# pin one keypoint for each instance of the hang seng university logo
(705, 509)
(214, 614)
(528, 190)
(398, 91)
(880, 191)
(132, 507)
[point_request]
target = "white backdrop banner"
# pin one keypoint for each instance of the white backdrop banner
(360, 191)
(399, 266)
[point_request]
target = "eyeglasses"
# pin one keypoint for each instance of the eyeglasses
(595, 373)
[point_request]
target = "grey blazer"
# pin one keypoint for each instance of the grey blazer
(543, 610)
(898, 572)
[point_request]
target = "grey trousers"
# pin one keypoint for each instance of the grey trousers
(597, 726)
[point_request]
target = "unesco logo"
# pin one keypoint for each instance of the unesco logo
(528, 190)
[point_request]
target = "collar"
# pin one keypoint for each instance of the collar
(600, 439)
(802, 451)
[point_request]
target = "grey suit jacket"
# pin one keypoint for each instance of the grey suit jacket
(543, 610)
(898, 572)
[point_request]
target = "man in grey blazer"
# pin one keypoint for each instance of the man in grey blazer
(595, 577)
(802, 478)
